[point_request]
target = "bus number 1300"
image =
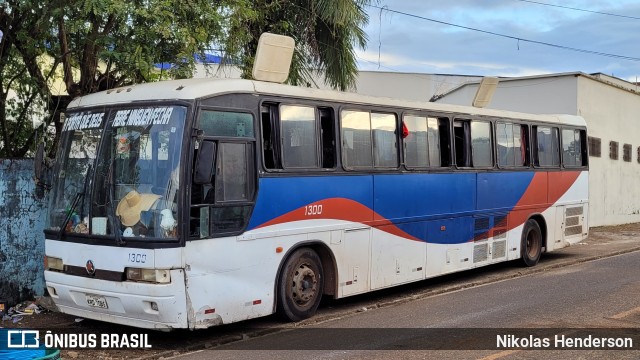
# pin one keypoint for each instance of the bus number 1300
(312, 210)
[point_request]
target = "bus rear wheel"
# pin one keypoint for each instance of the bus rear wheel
(531, 246)
(300, 285)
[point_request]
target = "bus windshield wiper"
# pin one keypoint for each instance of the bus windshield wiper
(76, 200)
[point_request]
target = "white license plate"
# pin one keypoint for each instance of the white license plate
(97, 301)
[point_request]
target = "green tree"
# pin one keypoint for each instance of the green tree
(94, 45)
(325, 31)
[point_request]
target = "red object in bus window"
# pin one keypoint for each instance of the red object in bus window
(405, 130)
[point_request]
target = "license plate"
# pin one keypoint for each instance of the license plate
(97, 301)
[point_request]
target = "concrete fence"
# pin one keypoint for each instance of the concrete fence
(22, 218)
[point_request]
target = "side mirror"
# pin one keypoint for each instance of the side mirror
(205, 163)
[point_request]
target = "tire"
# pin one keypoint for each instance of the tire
(531, 244)
(300, 285)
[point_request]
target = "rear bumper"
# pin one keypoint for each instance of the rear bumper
(128, 303)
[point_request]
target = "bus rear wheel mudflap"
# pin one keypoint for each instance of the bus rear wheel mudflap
(300, 285)
(531, 243)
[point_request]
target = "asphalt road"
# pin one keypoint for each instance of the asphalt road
(603, 294)
(566, 288)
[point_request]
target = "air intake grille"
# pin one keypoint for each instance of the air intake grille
(573, 221)
(573, 230)
(499, 249)
(574, 211)
(480, 252)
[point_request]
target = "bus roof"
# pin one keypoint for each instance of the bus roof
(191, 89)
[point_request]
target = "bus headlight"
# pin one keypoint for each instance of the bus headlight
(53, 263)
(149, 275)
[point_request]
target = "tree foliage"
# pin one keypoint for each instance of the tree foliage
(94, 45)
(325, 32)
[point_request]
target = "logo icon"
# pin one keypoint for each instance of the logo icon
(91, 269)
(23, 339)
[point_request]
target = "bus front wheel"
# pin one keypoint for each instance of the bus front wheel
(531, 246)
(300, 285)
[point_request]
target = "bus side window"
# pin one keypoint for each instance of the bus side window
(223, 207)
(481, 144)
(385, 144)
(547, 149)
(328, 137)
(445, 142)
(298, 136)
(512, 143)
(572, 147)
(462, 142)
(270, 136)
(299, 129)
(356, 139)
(473, 143)
(422, 142)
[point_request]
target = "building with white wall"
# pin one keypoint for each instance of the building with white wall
(611, 108)
(410, 86)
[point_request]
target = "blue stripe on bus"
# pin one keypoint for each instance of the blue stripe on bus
(408, 202)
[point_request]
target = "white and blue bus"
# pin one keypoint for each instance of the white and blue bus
(193, 203)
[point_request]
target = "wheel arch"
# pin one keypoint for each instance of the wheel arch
(543, 228)
(329, 267)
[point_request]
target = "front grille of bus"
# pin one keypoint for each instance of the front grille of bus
(99, 274)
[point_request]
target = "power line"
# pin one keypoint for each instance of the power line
(583, 10)
(630, 58)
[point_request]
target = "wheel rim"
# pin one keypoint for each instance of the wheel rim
(304, 285)
(533, 242)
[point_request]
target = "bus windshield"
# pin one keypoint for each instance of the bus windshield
(118, 173)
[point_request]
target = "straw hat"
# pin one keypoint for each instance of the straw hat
(133, 203)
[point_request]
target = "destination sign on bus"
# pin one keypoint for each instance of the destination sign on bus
(83, 121)
(143, 116)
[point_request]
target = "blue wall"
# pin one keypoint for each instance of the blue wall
(22, 219)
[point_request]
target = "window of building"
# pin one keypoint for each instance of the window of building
(422, 141)
(626, 152)
(571, 147)
(638, 154)
(613, 150)
(511, 144)
(595, 146)
(547, 146)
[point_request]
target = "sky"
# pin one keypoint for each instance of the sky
(402, 43)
